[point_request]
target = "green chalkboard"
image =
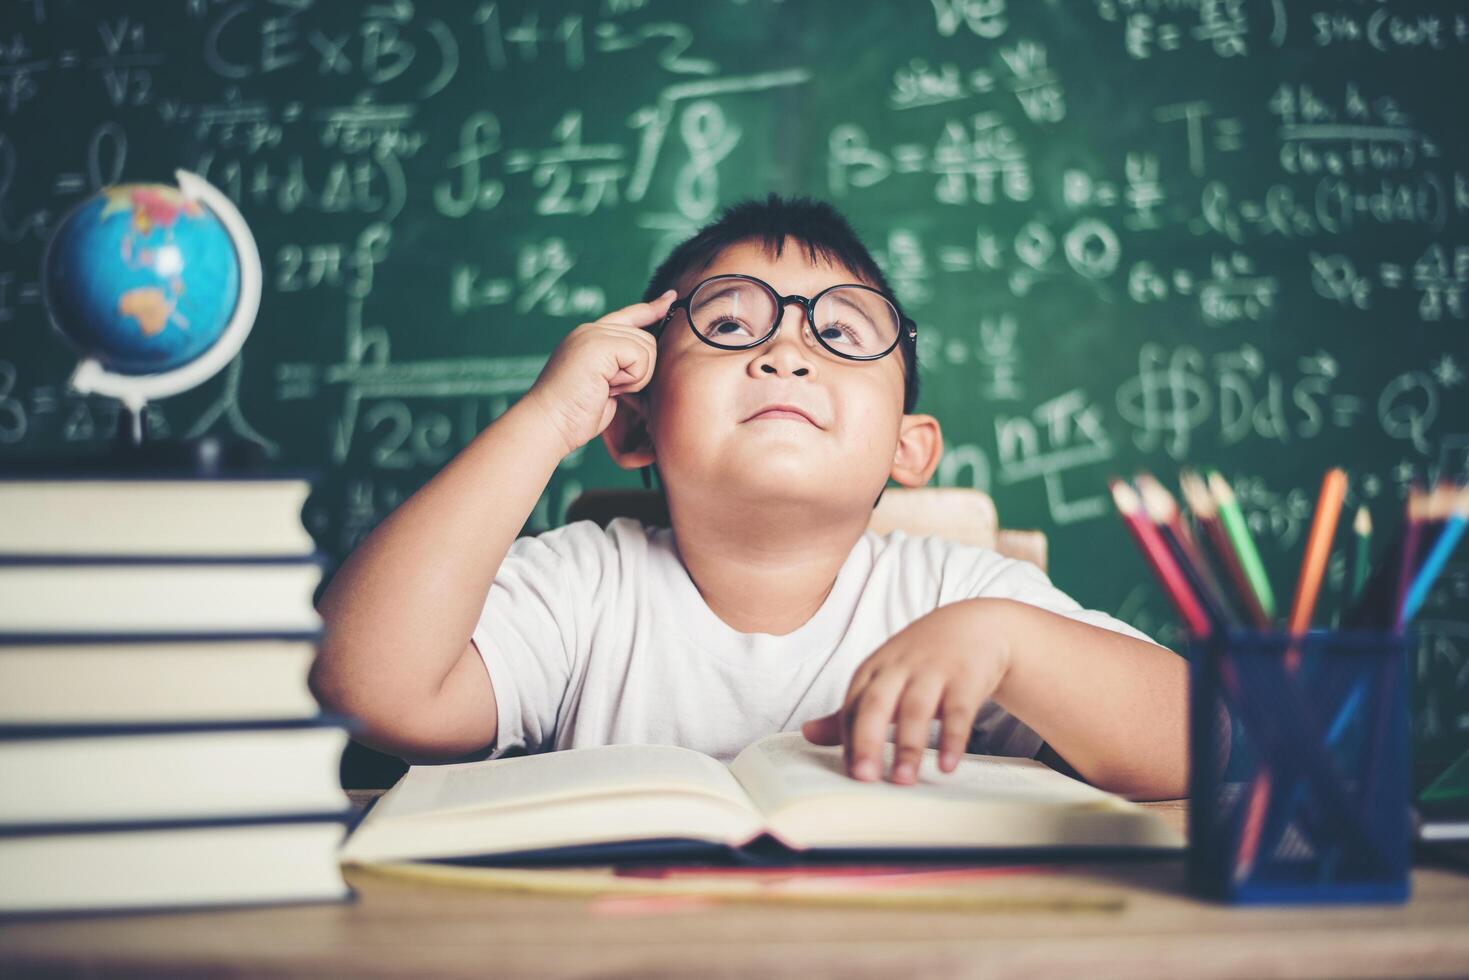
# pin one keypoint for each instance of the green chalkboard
(1134, 233)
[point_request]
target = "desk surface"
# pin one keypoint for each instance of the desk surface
(412, 928)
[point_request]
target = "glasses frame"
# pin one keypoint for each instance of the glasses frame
(808, 303)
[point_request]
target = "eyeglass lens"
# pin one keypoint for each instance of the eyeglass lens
(737, 313)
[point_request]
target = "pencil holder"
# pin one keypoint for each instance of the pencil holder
(1299, 768)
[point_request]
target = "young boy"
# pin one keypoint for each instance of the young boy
(781, 404)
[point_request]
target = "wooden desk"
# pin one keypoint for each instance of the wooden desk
(413, 929)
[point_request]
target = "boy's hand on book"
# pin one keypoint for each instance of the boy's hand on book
(939, 666)
(577, 389)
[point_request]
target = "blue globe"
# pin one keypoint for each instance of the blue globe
(141, 278)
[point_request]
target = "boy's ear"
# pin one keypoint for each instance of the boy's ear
(626, 437)
(920, 446)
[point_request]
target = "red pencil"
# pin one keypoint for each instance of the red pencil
(1162, 509)
(1157, 555)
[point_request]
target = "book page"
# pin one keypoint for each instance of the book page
(567, 774)
(987, 802)
(783, 769)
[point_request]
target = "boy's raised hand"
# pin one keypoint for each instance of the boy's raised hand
(577, 389)
(943, 665)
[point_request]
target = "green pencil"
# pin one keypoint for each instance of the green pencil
(1362, 528)
(1244, 545)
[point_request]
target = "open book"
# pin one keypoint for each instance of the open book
(623, 802)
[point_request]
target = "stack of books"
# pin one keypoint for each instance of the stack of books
(159, 746)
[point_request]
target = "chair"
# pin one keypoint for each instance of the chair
(957, 513)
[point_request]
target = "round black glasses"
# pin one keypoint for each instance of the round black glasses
(737, 312)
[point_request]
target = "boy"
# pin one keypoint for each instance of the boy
(781, 405)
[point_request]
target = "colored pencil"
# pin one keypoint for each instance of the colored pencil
(1244, 545)
(1443, 499)
(1373, 608)
(1162, 509)
(1206, 512)
(1254, 822)
(1417, 514)
(1438, 504)
(1158, 557)
(1370, 612)
(1438, 555)
(1313, 564)
(1407, 558)
(1308, 588)
(1388, 594)
(1362, 529)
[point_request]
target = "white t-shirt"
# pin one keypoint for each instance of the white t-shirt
(597, 637)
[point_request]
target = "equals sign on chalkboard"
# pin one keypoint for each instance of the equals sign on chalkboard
(68, 184)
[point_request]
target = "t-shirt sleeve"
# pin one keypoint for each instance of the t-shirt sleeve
(535, 629)
(975, 573)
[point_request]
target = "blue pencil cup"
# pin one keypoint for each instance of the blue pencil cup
(1298, 779)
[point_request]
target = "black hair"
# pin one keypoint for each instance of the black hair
(815, 225)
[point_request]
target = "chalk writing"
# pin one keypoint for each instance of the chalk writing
(1133, 233)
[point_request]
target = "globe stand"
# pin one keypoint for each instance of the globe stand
(134, 452)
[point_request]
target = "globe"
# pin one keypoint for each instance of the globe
(142, 279)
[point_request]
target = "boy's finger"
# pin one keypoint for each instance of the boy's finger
(826, 730)
(957, 716)
(632, 348)
(633, 378)
(867, 724)
(641, 314)
(916, 710)
(647, 346)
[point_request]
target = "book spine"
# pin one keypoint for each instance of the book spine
(343, 816)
